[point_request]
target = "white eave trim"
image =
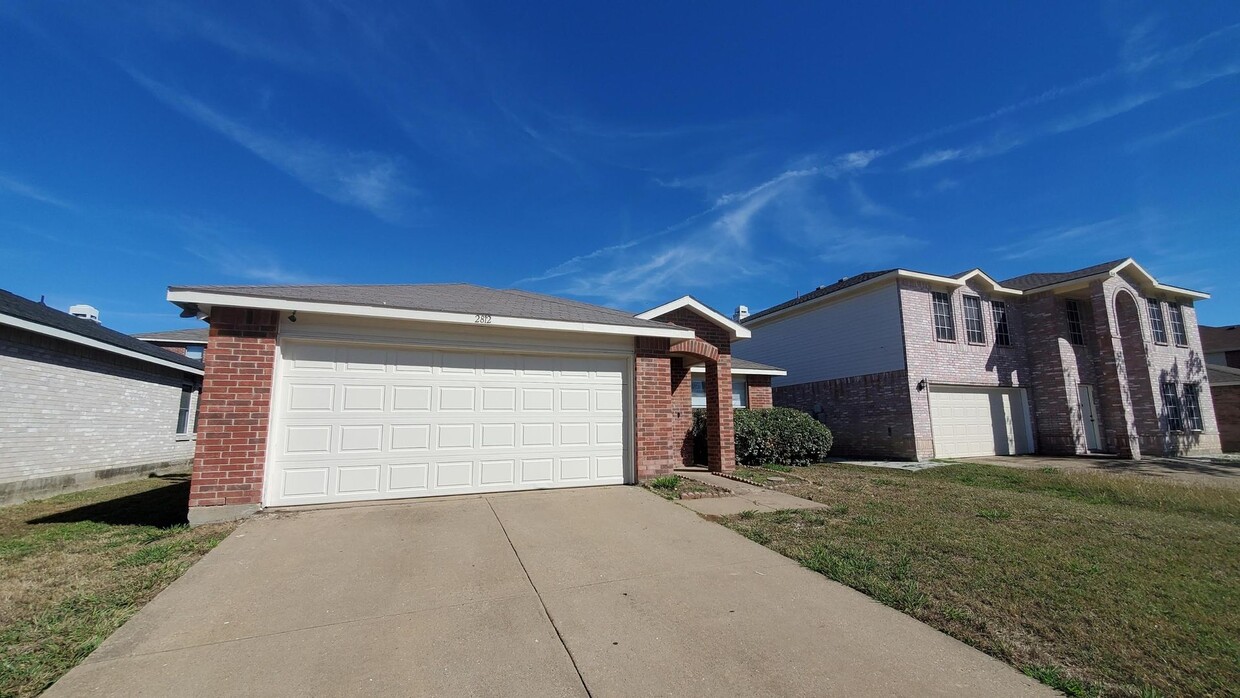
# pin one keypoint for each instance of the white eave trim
(701, 368)
(733, 328)
(1154, 283)
(157, 340)
(995, 286)
(93, 343)
(209, 300)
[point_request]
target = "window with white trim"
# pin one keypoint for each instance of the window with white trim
(1192, 407)
(1171, 403)
(1157, 328)
(1076, 326)
(944, 322)
(973, 328)
(1003, 337)
(1176, 315)
(740, 392)
(184, 422)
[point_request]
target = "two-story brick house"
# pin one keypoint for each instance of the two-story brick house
(905, 364)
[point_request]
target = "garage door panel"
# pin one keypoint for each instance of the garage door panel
(373, 422)
(977, 421)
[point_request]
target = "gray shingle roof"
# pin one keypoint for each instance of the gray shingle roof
(1222, 375)
(1027, 282)
(819, 293)
(753, 365)
(14, 305)
(190, 334)
(448, 298)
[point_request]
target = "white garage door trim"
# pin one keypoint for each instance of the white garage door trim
(597, 459)
(963, 422)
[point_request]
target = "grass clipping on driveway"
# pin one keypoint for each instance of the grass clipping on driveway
(1095, 584)
(75, 567)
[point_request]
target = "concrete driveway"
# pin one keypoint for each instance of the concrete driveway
(601, 591)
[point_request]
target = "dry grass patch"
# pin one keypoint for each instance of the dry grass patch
(1095, 584)
(73, 568)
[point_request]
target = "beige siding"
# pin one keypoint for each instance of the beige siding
(66, 410)
(853, 336)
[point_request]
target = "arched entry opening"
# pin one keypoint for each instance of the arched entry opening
(718, 384)
(1137, 389)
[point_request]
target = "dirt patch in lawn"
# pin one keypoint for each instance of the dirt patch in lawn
(73, 568)
(677, 487)
(1095, 584)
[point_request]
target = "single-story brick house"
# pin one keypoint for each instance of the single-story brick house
(80, 403)
(321, 394)
(912, 365)
(191, 342)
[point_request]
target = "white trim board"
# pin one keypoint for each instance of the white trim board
(744, 371)
(93, 343)
(734, 329)
(206, 301)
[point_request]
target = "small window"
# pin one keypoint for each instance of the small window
(1002, 336)
(740, 393)
(1192, 407)
(1156, 321)
(699, 392)
(1171, 401)
(183, 414)
(1177, 324)
(944, 323)
(194, 351)
(1076, 328)
(973, 320)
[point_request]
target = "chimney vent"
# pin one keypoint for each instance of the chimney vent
(741, 312)
(86, 312)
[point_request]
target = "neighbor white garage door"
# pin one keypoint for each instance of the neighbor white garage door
(978, 421)
(356, 422)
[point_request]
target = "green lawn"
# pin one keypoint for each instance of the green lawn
(75, 567)
(1095, 584)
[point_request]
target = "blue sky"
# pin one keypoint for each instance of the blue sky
(617, 153)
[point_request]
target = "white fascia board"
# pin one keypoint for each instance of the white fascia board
(995, 286)
(210, 300)
(155, 340)
(856, 288)
(1084, 281)
(932, 278)
(701, 368)
(93, 343)
(734, 329)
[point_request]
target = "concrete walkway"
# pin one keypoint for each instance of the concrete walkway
(744, 497)
(608, 591)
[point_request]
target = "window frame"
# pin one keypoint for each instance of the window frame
(944, 322)
(999, 316)
(1075, 320)
(198, 350)
(185, 421)
(694, 396)
(1158, 324)
(740, 401)
(1172, 407)
(1175, 317)
(971, 303)
(697, 399)
(1191, 408)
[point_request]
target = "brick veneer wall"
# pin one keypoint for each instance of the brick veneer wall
(1227, 412)
(720, 428)
(868, 415)
(759, 392)
(657, 448)
(236, 404)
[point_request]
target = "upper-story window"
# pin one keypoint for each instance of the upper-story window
(1076, 327)
(944, 322)
(1003, 337)
(973, 320)
(1177, 324)
(1156, 321)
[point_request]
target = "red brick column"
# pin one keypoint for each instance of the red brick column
(231, 452)
(656, 454)
(759, 392)
(720, 429)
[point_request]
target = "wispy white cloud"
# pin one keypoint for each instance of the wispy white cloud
(1054, 240)
(371, 181)
(227, 249)
(29, 191)
(1174, 132)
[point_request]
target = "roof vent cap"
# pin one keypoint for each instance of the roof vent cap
(86, 312)
(741, 312)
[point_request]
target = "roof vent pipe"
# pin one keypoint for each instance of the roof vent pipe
(741, 312)
(86, 312)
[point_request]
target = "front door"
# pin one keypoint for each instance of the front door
(1089, 417)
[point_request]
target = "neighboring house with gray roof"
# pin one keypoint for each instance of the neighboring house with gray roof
(340, 393)
(913, 365)
(1225, 388)
(190, 342)
(80, 403)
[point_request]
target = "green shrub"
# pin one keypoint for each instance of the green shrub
(780, 435)
(775, 435)
(667, 482)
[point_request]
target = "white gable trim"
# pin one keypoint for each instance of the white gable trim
(93, 343)
(734, 329)
(205, 301)
(994, 285)
(700, 368)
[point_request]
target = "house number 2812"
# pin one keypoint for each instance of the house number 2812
(482, 319)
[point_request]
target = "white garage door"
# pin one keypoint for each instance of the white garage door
(978, 421)
(355, 422)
